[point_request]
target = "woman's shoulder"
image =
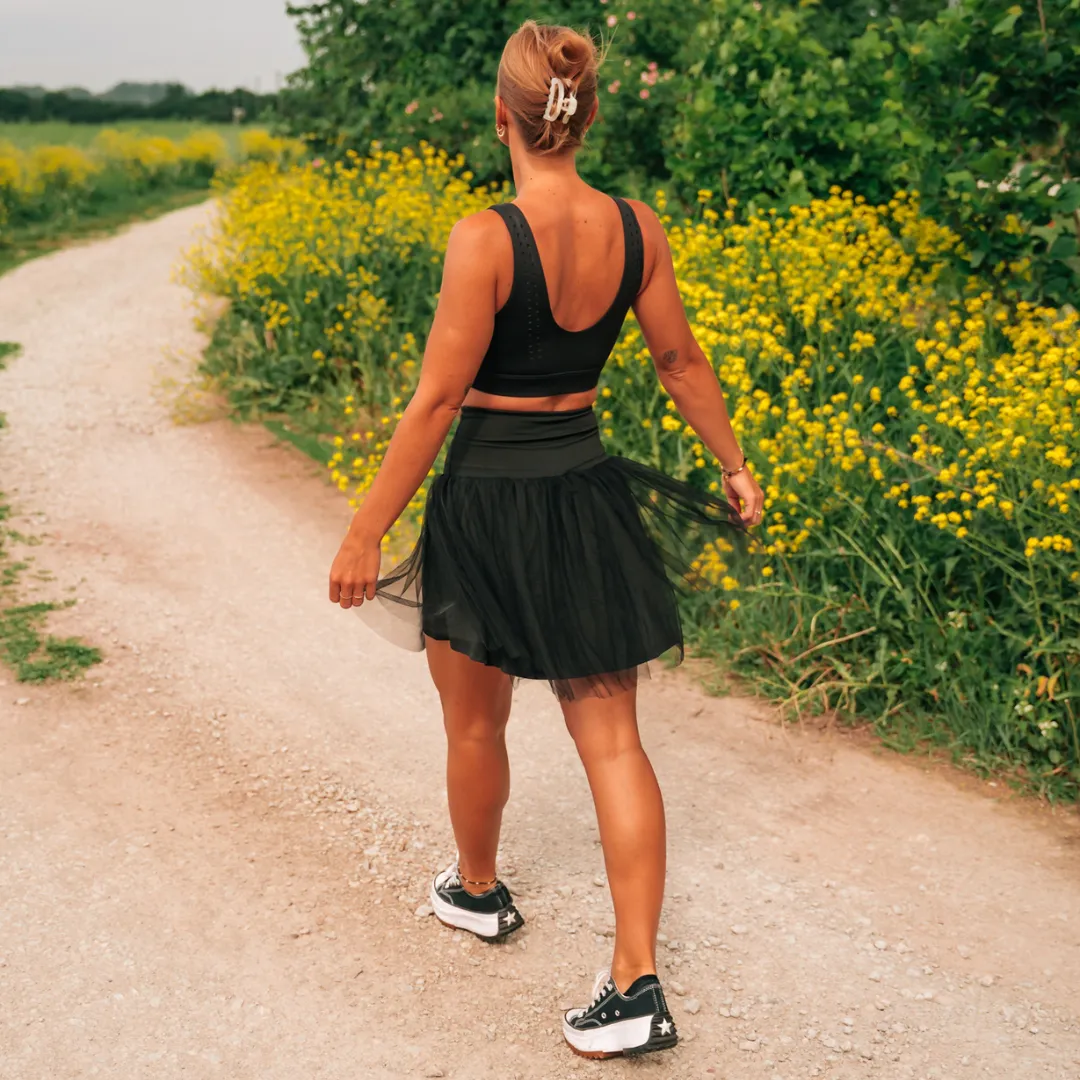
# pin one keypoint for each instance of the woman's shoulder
(477, 224)
(477, 232)
(645, 214)
(652, 229)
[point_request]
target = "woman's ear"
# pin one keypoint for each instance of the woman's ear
(500, 112)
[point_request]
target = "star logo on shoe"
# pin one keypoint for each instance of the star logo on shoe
(665, 1027)
(508, 916)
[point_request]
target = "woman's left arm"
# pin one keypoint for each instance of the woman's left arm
(459, 337)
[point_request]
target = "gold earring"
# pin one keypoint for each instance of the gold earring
(500, 130)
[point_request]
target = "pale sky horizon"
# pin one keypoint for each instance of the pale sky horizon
(201, 43)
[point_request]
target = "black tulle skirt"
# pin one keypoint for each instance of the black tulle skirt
(544, 556)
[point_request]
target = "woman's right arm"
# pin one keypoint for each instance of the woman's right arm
(683, 368)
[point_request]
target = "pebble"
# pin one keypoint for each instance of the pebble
(433, 1071)
(599, 882)
(987, 980)
(422, 912)
(22, 701)
(677, 988)
(964, 951)
(749, 1044)
(738, 928)
(692, 1006)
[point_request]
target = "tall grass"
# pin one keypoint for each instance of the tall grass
(49, 191)
(59, 133)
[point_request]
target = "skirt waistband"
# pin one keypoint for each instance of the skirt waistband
(523, 445)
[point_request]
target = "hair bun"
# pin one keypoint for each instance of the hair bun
(535, 54)
(569, 54)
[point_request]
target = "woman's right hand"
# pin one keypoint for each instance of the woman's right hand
(354, 575)
(743, 491)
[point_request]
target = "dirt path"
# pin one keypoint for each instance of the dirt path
(213, 849)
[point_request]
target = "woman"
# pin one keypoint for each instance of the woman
(540, 555)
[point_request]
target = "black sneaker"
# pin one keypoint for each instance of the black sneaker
(636, 1022)
(489, 915)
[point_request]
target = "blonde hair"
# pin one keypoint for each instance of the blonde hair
(535, 54)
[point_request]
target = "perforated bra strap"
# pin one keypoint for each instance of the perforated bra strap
(527, 303)
(634, 262)
(527, 266)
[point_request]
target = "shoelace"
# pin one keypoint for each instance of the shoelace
(600, 988)
(449, 878)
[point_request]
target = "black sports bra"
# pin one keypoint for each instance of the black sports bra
(530, 354)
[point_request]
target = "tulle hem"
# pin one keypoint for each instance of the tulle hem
(570, 578)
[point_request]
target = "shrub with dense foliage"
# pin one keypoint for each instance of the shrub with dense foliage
(916, 436)
(973, 104)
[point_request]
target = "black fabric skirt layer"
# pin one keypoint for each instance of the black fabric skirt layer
(544, 556)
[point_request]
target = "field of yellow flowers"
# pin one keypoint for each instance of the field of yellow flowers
(916, 433)
(51, 187)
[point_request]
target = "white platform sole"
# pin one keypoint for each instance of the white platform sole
(485, 925)
(626, 1036)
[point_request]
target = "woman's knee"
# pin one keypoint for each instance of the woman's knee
(476, 725)
(603, 731)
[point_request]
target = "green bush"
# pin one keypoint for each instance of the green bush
(976, 109)
(975, 105)
(410, 71)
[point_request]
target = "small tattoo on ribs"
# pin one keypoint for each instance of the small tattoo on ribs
(668, 358)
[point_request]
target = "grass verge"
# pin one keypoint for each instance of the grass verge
(26, 646)
(29, 242)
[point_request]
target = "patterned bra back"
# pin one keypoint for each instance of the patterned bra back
(530, 354)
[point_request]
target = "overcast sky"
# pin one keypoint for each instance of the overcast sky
(97, 43)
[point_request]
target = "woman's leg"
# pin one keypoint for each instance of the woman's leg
(630, 813)
(476, 706)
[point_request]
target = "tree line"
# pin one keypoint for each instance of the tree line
(169, 101)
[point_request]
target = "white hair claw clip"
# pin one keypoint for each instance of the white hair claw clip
(566, 103)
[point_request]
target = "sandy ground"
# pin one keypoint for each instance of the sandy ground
(214, 848)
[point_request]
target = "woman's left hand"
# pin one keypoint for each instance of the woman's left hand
(743, 491)
(355, 571)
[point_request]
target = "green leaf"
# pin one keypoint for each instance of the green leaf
(1068, 198)
(1006, 25)
(1064, 247)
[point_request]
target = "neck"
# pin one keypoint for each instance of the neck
(543, 175)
